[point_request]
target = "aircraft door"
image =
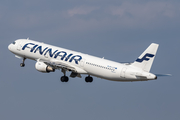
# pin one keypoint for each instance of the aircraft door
(19, 45)
(82, 62)
(123, 71)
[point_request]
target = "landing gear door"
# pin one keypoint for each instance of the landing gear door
(123, 71)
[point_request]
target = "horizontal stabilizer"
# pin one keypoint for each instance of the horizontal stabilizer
(162, 75)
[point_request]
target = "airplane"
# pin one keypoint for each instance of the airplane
(50, 58)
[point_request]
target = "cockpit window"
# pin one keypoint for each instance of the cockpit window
(14, 43)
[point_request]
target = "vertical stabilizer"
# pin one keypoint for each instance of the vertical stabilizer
(145, 60)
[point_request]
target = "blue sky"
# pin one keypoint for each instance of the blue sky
(117, 30)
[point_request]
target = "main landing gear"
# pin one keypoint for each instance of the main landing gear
(64, 78)
(89, 79)
(23, 64)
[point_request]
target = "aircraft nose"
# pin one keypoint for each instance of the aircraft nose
(9, 47)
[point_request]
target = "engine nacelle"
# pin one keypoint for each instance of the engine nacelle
(42, 67)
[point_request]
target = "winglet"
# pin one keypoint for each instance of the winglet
(145, 60)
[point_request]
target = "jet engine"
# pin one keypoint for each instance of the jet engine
(42, 67)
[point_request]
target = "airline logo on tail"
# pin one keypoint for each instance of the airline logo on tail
(145, 57)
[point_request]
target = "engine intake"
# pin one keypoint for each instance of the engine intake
(42, 67)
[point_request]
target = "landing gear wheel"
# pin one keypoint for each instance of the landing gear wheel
(89, 79)
(64, 79)
(22, 64)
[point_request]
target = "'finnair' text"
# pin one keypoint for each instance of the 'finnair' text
(34, 48)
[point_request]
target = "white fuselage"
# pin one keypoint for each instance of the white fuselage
(86, 64)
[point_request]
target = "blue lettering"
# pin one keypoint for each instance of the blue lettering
(145, 57)
(68, 57)
(40, 50)
(76, 58)
(33, 48)
(62, 56)
(26, 46)
(50, 52)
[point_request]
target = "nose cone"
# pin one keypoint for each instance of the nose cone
(9, 47)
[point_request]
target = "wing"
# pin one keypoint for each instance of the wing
(60, 65)
(57, 64)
